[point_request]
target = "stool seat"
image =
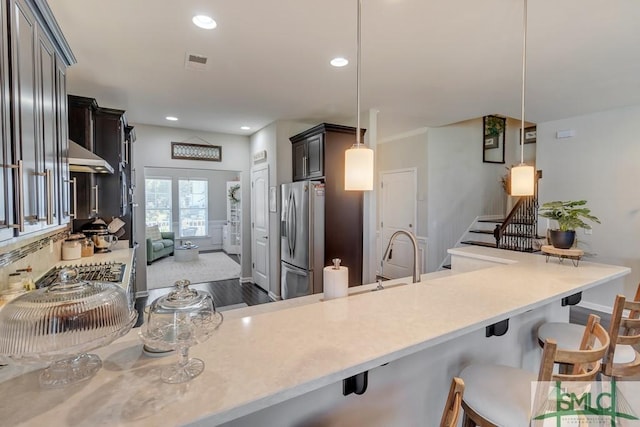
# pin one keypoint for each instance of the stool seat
(569, 335)
(500, 394)
(497, 395)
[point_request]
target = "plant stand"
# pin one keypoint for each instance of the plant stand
(573, 254)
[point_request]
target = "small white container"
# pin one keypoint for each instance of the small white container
(72, 247)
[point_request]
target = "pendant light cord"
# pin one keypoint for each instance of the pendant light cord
(358, 78)
(524, 79)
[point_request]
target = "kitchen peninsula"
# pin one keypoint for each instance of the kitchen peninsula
(285, 366)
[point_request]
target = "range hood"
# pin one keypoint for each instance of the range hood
(83, 160)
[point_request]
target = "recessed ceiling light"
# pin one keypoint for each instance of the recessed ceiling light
(339, 62)
(245, 127)
(171, 118)
(204, 21)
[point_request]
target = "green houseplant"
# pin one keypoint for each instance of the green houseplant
(570, 216)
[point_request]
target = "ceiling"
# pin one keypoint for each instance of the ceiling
(424, 62)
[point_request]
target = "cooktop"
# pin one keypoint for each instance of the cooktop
(103, 272)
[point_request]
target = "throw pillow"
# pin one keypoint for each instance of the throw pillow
(153, 233)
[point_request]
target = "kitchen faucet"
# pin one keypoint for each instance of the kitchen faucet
(414, 242)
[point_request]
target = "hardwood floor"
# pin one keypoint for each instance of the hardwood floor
(224, 292)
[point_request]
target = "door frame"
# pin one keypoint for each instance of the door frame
(381, 174)
(252, 171)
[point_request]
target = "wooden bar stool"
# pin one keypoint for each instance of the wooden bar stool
(452, 407)
(501, 395)
(622, 359)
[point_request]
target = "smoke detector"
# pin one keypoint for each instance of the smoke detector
(195, 62)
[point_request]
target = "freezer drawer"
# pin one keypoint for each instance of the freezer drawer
(295, 282)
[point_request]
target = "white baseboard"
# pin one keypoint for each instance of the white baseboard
(246, 280)
(274, 297)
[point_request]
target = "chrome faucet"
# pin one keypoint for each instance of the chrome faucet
(414, 242)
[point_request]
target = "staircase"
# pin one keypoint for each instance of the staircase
(517, 232)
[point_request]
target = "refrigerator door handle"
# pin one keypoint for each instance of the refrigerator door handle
(289, 225)
(295, 223)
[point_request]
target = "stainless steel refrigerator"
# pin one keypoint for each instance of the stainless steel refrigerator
(302, 238)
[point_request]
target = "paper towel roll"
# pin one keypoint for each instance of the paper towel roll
(336, 282)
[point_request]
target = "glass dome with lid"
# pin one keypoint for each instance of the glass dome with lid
(177, 321)
(60, 323)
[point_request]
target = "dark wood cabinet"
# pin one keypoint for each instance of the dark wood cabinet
(33, 61)
(6, 175)
(110, 144)
(65, 202)
(81, 111)
(24, 51)
(324, 147)
(105, 132)
(308, 158)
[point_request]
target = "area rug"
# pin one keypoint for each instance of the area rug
(208, 267)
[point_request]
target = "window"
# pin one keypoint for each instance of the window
(194, 203)
(158, 202)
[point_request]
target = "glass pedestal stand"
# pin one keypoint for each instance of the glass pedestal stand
(183, 371)
(70, 371)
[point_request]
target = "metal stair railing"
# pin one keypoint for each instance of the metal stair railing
(520, 228)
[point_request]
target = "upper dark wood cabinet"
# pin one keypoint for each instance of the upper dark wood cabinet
(6, 176)
(106, 133)
(81, 111)
(33, 60)
(318, 153)
(308, 158)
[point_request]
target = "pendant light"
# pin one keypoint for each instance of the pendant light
(358, 160)
(522, 176)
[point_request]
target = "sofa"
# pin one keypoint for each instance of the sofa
(159, 247)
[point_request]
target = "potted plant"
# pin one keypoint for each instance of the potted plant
(570, 216)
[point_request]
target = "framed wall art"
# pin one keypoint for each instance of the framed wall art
(494, 129)
(530, 135)
(189, 151)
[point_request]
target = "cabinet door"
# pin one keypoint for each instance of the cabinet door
(24, 106)
(6, 183)
(299, 150)
(315, 154)
(65, 207)
(47, 118)
(80, 129)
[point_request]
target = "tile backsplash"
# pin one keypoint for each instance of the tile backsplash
(39, 252)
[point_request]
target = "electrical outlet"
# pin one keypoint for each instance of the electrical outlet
(588, 231)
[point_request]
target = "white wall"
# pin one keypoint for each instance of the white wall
(274, 139)
(153, 149)
(460, 186)
(407, 151)
(599, 164)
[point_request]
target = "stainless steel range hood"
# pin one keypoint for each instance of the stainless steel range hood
(83, 160)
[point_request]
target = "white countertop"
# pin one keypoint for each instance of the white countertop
(259, 359)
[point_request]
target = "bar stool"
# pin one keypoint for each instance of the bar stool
(622, 359)
(501, 395)
(452, 407)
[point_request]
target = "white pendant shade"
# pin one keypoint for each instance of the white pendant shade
(522, 180)
(358, 169)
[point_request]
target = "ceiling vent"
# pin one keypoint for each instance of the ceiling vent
(196, 62)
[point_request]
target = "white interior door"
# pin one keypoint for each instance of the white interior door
(260, 226)
(398, 212)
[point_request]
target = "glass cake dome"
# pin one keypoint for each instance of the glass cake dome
(60, 323)
(177, 321)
